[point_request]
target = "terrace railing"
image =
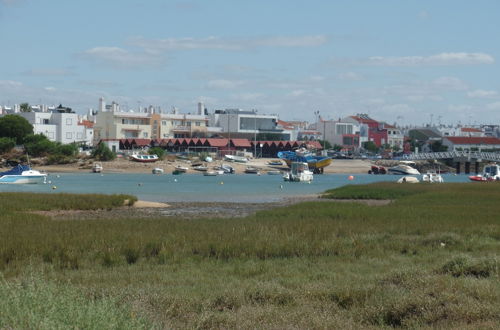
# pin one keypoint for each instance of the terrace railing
(477, 155)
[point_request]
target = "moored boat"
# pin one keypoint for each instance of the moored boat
(491, 172)
(144, 158)
(408, 179)
(299, 172)
(97, 167)
(315, 163)
(404, 168)
(432, 177)
(180, 168)
(157, 170)
(236, 159)
(252, 170)
(22, 174)
(376, 169)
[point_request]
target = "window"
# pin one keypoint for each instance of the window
(188, 124)
(69, 135)
(69, 121)
(197, 123)
(79, 136)
(164, 122)
(45, 121)
(145, 134)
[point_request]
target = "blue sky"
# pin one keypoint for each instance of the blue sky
(408, 62)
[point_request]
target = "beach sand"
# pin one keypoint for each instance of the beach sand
(122, 165)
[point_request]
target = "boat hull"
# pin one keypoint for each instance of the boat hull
(23, 179)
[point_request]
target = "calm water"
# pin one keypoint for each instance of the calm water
(196, 187)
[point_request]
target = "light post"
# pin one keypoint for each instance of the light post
(255, 133)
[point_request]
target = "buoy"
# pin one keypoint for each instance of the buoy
(49, 182)
(58, 176)
(350, 177)
(281, 186)
(175, 180)
(139, 184)
(54, 187)
(222, 182)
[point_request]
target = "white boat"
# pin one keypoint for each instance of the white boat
(274, 172)
(144, 158)
(236, 159)
(404, 168)
(432, 177)
(226, 169)
(490, 172)
(251, 170)
(158, 170)
(299, 172)
(180, 168)
(22, 174)
(97, 167)
(201, 168)
(210, 173)
(408, 179)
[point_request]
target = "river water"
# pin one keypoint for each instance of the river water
(245, 188)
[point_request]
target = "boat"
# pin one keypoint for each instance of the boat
(157, 170)
(408, 179)
(97, 167)
(315, 163)
(274, 172)
(177, 172)
(180, 168)
(226, 168)
(299, 172)
(432, 177)
(236, 159)
(210, 173)
(490, 172)
(22, 174)
(251, 170)
(275, 163)
(144, 158)
(376, 169)
(404, 168)
(201, 168)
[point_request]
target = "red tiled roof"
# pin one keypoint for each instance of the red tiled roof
(241, 143)
(217, 142)
(87, 123)
(471, 130)
(364, 121)
(472, 140)
(142, 142)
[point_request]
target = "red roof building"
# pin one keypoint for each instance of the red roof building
(471, 143)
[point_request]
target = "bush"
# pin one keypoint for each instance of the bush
(6, 144)
(102, 152)
(38, 145)
(157, 151)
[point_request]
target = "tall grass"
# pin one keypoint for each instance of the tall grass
(428, 259)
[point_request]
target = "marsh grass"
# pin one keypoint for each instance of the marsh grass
(428, 259)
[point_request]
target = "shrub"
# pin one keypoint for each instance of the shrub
(6, 144)
(160, 152)
(102, 152)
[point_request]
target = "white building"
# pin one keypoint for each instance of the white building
(241, 123)
(57, 124)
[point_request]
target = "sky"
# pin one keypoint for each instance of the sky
(408, 62)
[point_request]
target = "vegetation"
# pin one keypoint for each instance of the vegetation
(16, 127)
(102, 152)
(160, 152)
(6, 144)
(25, 107)
(427, 260)
(370, 146)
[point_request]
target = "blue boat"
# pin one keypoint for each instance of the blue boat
(22, 174)
(315, 163)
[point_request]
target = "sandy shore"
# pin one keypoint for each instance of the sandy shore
(121, 165)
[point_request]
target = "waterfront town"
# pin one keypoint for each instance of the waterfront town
(259, 134)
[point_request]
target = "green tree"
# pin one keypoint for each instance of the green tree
(16, 127)
(25, 107)
(102, 152)
(6, 144)
(325, 144)
(370, 146)
(160, 152)
(438, 146)
(38, 145)
(69, 150)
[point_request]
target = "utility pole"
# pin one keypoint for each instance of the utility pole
(255, 133)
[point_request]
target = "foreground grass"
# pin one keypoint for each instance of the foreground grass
(429, 259)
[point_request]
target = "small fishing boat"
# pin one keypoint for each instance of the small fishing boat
(180, 168)
(299, 172)
(275, 163)
(408, 179)
(22, 174)
(157, 170)
(273, 172)
(97, 167)
(144, 158)
(236, 159)
(251, 170)
(432, 177)
(210, 173)
(227, 169)
(201, 168)
(177, 172)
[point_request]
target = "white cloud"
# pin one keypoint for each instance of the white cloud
(450, 83)
(223, 84)
(442, 59)
(10, 83)
(173, 44)
(50, 89)
(297, 93)
(460, 107)
(119, 57)
(493, 106)
(350, 76)
(482, 94)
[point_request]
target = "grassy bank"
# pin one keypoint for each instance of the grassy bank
(428, 259)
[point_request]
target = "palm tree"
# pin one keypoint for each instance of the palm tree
(25, 107)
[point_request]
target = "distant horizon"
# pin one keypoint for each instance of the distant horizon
(412, 62)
